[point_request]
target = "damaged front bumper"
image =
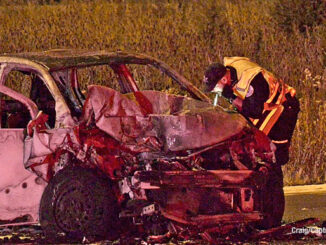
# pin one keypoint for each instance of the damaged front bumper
(235, 195)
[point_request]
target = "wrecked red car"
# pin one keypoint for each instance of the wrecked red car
(91, 163)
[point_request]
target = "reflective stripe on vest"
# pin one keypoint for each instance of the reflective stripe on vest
(273, 108)
(280, 141)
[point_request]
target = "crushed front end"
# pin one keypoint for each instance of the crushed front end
(176, 165)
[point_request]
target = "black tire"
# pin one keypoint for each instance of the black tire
(273, 200)
(79, 202)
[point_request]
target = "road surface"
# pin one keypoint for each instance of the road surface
(305, 202)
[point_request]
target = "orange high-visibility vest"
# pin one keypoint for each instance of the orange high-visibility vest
(273, 108)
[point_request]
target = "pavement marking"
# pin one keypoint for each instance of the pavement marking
(305, 189)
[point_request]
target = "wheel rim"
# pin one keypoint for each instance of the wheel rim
(73, 208)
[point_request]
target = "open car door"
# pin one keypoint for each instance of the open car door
(20, 189)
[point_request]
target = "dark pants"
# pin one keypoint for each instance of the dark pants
(283, 129)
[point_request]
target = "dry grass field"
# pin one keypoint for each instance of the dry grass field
(287, 37)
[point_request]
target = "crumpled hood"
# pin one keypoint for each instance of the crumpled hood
(157, 121)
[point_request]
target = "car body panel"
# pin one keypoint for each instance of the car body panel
(177, 122)
(20, 190)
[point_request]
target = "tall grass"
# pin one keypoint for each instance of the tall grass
(188, 35)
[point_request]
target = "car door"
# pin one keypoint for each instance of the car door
(20, 189)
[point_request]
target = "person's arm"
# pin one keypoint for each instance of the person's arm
(253, 104)
(233, 99)
(238, 103)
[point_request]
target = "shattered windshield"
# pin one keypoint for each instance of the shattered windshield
(149, 77)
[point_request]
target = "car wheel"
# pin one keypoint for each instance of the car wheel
(273, 200)
(79, 202)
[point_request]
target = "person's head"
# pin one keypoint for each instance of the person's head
(216, 76)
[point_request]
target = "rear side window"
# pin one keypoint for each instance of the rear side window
(32, 86)
(13, 114)
(20, 82)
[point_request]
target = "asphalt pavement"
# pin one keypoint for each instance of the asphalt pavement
(305, 202)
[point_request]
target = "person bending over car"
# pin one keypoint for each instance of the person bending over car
(258, 95)
(265, 100)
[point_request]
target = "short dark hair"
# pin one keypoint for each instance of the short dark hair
(213, 74)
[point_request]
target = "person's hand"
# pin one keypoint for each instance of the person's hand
(228, 92)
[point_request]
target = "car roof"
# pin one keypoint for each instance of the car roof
(59, 59)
